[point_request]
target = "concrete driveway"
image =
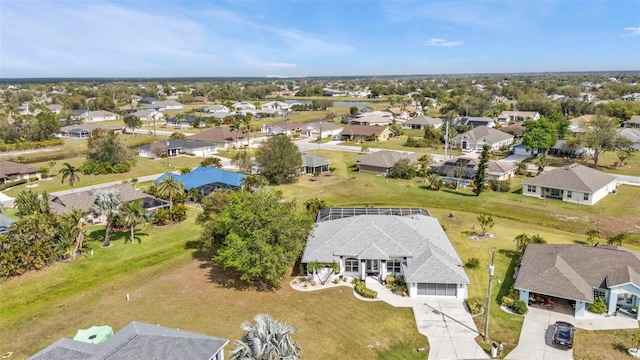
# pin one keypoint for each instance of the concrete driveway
(536, 337)
(449, 328)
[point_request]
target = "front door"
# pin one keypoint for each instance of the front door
(372, 266)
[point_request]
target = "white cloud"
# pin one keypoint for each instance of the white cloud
(632, 31)
(443, 42)
(281, 65)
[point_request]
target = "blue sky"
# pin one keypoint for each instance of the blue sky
(87, 38)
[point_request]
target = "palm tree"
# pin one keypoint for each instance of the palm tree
(168, 188)
(268, 339)
(70, 172)
(106, 203)
(542, 162)
(133, 214)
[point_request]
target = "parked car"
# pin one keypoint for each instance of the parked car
(563, 334)
(467, 150)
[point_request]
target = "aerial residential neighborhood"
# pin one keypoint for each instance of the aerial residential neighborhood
(319, 180)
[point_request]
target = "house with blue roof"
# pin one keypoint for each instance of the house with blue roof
(207, 179)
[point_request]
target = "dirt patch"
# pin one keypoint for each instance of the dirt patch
(609, 226)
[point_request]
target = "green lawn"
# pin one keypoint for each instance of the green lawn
(170, 282)
(606, 163)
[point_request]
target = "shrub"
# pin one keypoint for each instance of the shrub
(519, 307)
(32, 179)
(313, 283)
(598, 306)
(363, 290)
(179, 213)
(473, 263)
(12, 183)
(507, 301)
(474, 305)
(161, 217)
(501, 186)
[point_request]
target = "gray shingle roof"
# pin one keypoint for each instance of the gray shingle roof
(309, 160)
(83, 200)
(573, 177)
(386, 159)
(9, 168)
(363, 130)
(138, 341)
(431, 257)
(635, 119)
(492, 135)
(423, 120)
(573, 271)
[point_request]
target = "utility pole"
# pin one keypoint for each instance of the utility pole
(446, 140)
(488, 307)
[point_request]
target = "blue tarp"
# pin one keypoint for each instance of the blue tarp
(203, 175)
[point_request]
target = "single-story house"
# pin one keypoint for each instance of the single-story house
(373, 118)
(13, 171)
(464, 169)
(243, 105)
(476, 138)
(573, 183)
(215, 108)
(281, 127)
(148, 100)
(514, 116)
(474, 121)
(176, 147)
(148, 114)
(403, 113)
(201, 100)
(224, 138)
(83, 131)
(321, 128)
(579, 274)
(275, 105)
(312, 164)
(5, 223)
(421, 122)
(139, 340)
(366, 133)
(83, 200)
(95, 116)
(55, 108)
(634, 121)
(380, 162)
(207, 179)
(169, 105)
(633, 135)
(379, 242)
(187, 121)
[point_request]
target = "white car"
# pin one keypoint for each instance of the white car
(467, 150)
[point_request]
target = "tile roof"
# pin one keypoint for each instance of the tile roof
(138, 341)
(386, 158)
(573, 271)
(573, 177)
(431, 257)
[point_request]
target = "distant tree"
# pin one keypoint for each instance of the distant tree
(434, 181)
(523, 240)
(107, 154)
(353, 110)
(625, 150)
(486, 223)
(107, 203)
(184, 170)
(617, 240)
(254, 182)
(313, 206)
(242, 159)
(211, 161)
(245, 222)
(133, 123)
(598, 137)
(69, 172)
(280, 160)
(458, 172)
(176, 135)
(542, 161)
(268, 339)
(402, 169)
(482, 170)
(541, 134)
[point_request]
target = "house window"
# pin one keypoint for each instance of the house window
(599, 293)
(394, 266)
(531, 188)
(569, 193)
(351, 265)
(586, 197)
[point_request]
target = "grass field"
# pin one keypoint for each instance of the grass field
(173, 284)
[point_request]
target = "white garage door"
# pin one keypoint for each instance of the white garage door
(437, 289)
